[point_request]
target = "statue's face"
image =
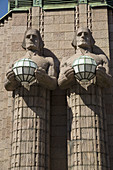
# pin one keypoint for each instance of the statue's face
(32, 40)
(83, 38)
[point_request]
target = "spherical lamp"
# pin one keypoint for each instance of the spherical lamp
(85, 68)
(24, 70)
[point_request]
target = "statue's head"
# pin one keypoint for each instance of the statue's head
(32, 40)
(83, 39)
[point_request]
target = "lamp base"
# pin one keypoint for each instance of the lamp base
(26, 85)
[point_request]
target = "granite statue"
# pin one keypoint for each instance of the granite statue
(83, 43)
(46, 72)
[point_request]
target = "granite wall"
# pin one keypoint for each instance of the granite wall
(57, 29)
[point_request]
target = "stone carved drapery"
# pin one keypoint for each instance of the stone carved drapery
(86, 119)
(31, 110)
(30, 135)
(87, 132)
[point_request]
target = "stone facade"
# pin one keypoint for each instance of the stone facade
(57, 29)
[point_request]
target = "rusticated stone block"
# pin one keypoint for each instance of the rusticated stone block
(89, 159)
(88, 133)
(59, 12)
(102, 43)
(58, 36)
(17, 38)
(65, 45)
(1, 46)
(35, 11)
(83, 24)
(35, 21)
(23, 160)
(88, 146)
(1, 38)
(69, 36)
(66, 28)
(29, 147)
(51, 28)
(19, 29)
(99, 16)
(52, 44)
(59, 19)
(16, 46)
(83, 18)
(69, 18)
(100, 34)
(19, 19)
(82, 8)
(48, 20)
(99, 26)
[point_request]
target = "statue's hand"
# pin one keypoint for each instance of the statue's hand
(69, 73)
(101, 69)
(10, 75)
(103, 79)
(66, 77)
(40, 74)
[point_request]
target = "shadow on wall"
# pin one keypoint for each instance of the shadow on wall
(49, 53)
(97, 50)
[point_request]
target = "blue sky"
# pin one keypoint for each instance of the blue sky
(3, 7)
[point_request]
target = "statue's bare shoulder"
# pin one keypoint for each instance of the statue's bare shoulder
(50, 60)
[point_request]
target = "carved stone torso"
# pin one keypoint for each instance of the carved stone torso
(100, 59)
(41, 62)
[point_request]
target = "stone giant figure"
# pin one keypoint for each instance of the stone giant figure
(46, 73)
(83, 43)
(86, 117)
(31, 110)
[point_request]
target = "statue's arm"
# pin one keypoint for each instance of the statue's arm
(47, 79)
(104, 79)
(66, 76)
(10, 82)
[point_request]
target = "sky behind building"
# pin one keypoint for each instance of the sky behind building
(3, 7)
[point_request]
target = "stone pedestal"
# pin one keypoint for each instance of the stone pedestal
(86, 121)
(30, 133)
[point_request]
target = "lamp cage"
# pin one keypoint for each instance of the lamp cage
(24, 70)
(85, 68)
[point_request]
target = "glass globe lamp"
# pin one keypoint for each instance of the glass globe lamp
(85, 68)
(24, 70)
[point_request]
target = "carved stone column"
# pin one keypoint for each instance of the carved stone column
(30, 134)
(87, 132)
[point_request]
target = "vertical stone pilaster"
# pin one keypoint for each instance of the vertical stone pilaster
(36, 12)
(87, 131)
(100, 30)
(41, 23)
(83, 15)
(29, 20)
(30, 134)
(89, 19)
(37, 21)
(77, 18)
